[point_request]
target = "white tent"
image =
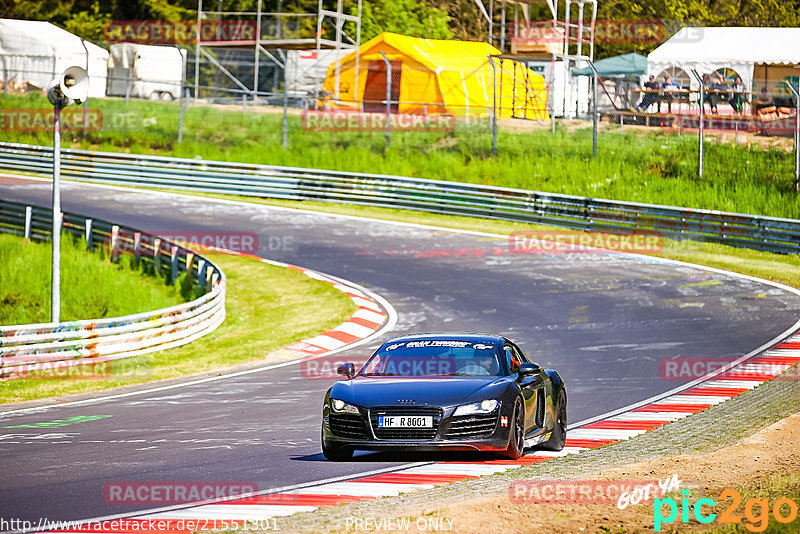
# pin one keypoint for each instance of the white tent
(36, 51)
(747, 51)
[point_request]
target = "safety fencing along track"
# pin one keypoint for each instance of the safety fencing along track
(47, 348)
(451, 198)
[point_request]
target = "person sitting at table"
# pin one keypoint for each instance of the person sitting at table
(736, 100)
(763, 100)
(667, 87)
(650, 94)
(719, 92)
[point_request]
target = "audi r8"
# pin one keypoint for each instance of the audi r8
(447, 391)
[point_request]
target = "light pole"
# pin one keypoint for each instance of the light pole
(702, 120)
(594, 109)
(71, 86)
(796, 133)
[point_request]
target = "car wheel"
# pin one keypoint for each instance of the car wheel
(559, 435)
(336, 453)
(154, 95)
(166, 96)
(516, 434)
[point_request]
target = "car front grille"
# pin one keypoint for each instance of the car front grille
(348, 426)
(471, 426)
(422, 434)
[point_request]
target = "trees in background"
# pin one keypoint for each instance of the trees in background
(439, 19)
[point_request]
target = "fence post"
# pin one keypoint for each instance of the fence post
(388, 99)
(5, 77)
(494, 106)
(180, 114)
(137, 254)
(285, 103)
(201, 273)
(157, 256)
(702, 121)
(88, 234)
(173, 256)
(114, 241)
(28, 216)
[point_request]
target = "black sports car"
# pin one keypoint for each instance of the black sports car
(448, 391)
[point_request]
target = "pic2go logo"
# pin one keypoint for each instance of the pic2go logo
(756, 511)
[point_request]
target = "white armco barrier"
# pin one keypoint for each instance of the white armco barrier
(56, 349)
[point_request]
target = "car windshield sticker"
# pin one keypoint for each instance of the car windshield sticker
(438, 343)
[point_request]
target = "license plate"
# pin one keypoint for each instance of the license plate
(405, 421)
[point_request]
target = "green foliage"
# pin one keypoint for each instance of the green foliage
(88, 24)
(91, 287)
(407, 17)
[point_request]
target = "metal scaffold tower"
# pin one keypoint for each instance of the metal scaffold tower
(268, 32)
(566, 41)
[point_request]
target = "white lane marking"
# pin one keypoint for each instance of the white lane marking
(354, 329)
(604, 433)
(369, 315)
(326, 342)
(231, 512)
(477, 469)
(693, 399)
(360, 489)
(737, 384)
(647, 416)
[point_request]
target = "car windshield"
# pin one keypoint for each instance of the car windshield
(431, 357)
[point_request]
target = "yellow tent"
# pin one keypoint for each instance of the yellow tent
(435, 77)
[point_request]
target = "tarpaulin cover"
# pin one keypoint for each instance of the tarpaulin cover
(438, 76)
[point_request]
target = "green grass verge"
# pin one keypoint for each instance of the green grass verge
(268, 307)
(655, 168)
(91, 286)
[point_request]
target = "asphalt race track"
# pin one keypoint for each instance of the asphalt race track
(604, 321)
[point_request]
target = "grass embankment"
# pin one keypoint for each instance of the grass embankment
(91, 287)
(268, 307)
(658, 167)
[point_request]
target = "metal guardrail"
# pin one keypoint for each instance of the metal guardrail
(38, 349)
(435, 196)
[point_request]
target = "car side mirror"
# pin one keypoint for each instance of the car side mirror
(527, 369)
(348, 369)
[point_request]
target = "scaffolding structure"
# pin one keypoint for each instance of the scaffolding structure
(270, 33)
(566, 42)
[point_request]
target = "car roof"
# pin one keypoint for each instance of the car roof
(452, 336)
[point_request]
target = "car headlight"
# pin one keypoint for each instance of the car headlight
(487, 406)
(340, 406)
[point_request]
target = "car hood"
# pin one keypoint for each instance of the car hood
(371, 392)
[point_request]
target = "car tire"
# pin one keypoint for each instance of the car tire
(558, 437)
(166, 96)
(335, 453)
(516, 433)
(154, 96)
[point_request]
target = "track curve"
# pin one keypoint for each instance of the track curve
(603, 320)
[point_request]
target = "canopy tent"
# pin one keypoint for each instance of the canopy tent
(742, 50)
(632, 64)
(435, 77)
(37, 51)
